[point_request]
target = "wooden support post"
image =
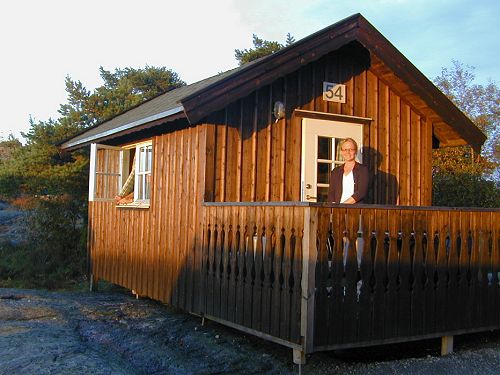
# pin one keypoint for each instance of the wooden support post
(446, 345)
(309, 256)
(299, 356)
(93, 283)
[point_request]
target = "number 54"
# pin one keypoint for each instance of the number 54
(334, 92)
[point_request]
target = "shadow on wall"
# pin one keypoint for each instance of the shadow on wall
(384, 187)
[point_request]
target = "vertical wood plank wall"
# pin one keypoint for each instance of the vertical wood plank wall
(258, 159)
(151, 251)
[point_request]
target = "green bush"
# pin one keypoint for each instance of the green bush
(12, 264)
(54, 253)
(464, 190)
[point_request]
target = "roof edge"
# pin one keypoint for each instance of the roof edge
(420, 84)
(81, 142)
(302, 52)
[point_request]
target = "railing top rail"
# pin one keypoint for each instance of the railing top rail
(347, 206)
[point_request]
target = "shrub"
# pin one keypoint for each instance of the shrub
(54, 253)
(464, 190)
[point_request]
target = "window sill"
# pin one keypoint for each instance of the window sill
(134, 205)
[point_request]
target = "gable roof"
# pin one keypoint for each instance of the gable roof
(195, 101)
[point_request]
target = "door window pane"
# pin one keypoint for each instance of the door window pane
(324, 170)
(322, 194)
(325, 148)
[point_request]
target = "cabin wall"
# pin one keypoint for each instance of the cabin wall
(152, 250)
(255, 158)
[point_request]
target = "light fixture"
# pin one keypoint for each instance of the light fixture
(279, 110)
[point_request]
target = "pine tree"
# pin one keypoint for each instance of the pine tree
(52, 185)
(260, 49)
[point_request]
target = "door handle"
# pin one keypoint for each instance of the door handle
(310, 197)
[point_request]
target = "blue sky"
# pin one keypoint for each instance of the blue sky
(44, 41)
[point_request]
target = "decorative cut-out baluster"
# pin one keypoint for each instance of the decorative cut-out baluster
(267, 233)
(365, 275)
(380, 284)
(345, 248)
(360, 243)
(233, 272)
(330, 245)
(404, 275)
(430, 268)
(441, 274)
(393, 257)
(278, 250)
(240, 273)
(418, 272)
(249, 273)
(257, 276)
(452, 238)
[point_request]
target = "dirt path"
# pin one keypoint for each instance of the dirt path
(113, 333)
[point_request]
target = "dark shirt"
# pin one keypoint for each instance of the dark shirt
(360, 176)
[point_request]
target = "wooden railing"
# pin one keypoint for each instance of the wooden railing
(252, 267)
(338, 276)
(393, 274)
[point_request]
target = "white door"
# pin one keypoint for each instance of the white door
(321, 153)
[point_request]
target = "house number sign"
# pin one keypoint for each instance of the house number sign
(333, 92)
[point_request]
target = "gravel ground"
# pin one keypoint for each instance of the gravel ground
(112, 333)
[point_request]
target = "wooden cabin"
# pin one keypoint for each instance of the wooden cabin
(227, 218)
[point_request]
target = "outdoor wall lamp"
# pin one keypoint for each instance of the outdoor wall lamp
(279, 110)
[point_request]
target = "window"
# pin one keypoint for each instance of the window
(144, 155)
(122, 174)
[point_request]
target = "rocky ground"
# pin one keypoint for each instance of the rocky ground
(113, 333)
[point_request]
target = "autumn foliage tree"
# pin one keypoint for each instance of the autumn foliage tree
(462, 177)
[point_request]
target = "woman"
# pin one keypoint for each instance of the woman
(348, 182)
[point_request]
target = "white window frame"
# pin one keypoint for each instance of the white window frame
(94, 147)
(142, 170)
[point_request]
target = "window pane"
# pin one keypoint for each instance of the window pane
(322, 194)
(149, 158)
(145, 161)
(324, 148)
(140, 190)
(324, 173)
(142, 159)
(145, 158)
(147, 184)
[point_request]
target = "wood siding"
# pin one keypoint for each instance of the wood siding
(256, 158)
(151, 251)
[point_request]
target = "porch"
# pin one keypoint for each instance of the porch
(317, 277)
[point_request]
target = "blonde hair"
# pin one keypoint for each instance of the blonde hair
(349, 140)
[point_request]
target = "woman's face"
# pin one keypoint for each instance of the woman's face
(349, 151)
